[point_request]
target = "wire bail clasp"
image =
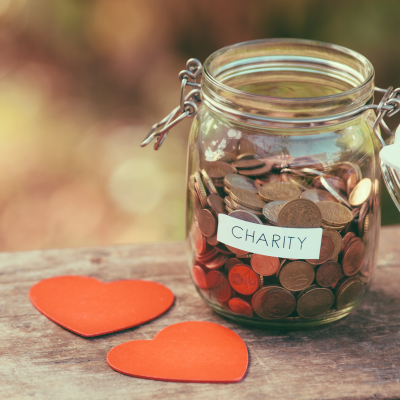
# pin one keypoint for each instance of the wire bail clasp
(388, 106)
(187, 106)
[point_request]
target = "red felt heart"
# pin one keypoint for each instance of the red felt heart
(185, 352)
(88, 307)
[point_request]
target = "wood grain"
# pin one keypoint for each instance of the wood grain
(356, 358)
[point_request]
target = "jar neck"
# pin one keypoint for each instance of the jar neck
(272, 82)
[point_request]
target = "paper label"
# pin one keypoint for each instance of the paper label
(273, 241)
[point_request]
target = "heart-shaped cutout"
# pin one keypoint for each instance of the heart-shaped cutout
(192, 351)
(89, 307)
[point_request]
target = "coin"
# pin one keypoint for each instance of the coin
(199, 277)
(210, 253)
(328, 274)
(326, 251)
(238, 206)
(264, 265)
(256, 171)
(282, 304)
(317, 195)
(361, 192)
(216, 203)
(230, 263)
(240, 306)
(336, 239)
(194, 197)
(334, 213)
(333, 181)
(218, 285)
(271, 211)
(296, 275)
(208, 182)
(351, 183)
(218, 169)
(217, 262)
(240, 182)
(243, 279)
(245, 216)
(222, 248)
(212, 240)
(246, 156)
(350, 290)
(279, 191)
(248, 199)
(314, 302)
(201, 191)
(367, 228)
(279, 161)
(361, 217)
(334, 192)
(353, 258)
(198, 239)
(249, 163)
(306, 161)
(207, 222)
(346, 238)
(299, 213)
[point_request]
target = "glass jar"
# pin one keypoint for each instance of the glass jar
(283, 139)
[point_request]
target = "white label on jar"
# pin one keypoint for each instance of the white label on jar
(267, 240)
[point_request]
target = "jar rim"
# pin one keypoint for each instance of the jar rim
(353, 68)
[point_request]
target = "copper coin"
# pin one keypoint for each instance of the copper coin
(300, 213)
(208, 255)
(355, 212)
(334, 213)
(279, 191)
(237, 252)
(328, 274)
(326, 251)
(270, 178)
(238, 206)
(296, 275)
(231, 263)
(334, 191)
(361, 192)
(246, 156)
(199, 277)
(246, 216)
(271, 211)
(243, 279)
(317, 195)
(198, 239)
(337, 241)
(218, 285)
(353, 258)
(240, 306)
(208, 182)
(314, 302)
(306, 161)
(350, 242)
(218, 169)
(200, 189)
(216, 203)
(349, 291)
(279, 161)
(212, 240)
(280, 304)
(240, 182)
(351, 183)
(334, 181)
(361, 217)
(228, 202)
(248, 199)
(222, 248)
(346, 238)
(207, 222)
(265, 265)
(256, 171)
(194, 199)
(217, 262)
(249, 163)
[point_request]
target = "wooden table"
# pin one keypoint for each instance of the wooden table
(357, 358)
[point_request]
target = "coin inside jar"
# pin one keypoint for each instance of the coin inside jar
(317, 195)
(314, 302)
(349, 291)
(218, 169)
(231, 263)
(207, 222)
(240, 306)
(328, 274)
(218, 285)
(264, 265)
(243, 279)
(240, 182)
(296, 275)
(245, 216)
(326, 251)
(279, 191)
(299, 213)
(208, 182)
(336, 239)
(249, 163)
(199, 277)
(361, 192)
(353, 258)
(248, 199)
(216, 203)
(256, 171)
(271, 211)
(282, 304)
(334, 213)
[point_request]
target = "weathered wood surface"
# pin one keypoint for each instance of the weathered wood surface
(357, 358)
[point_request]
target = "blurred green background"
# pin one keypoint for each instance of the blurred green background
(81, 82)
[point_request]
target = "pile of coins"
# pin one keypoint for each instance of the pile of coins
(287, 192)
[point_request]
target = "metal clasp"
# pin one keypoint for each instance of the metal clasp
(187, 106)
